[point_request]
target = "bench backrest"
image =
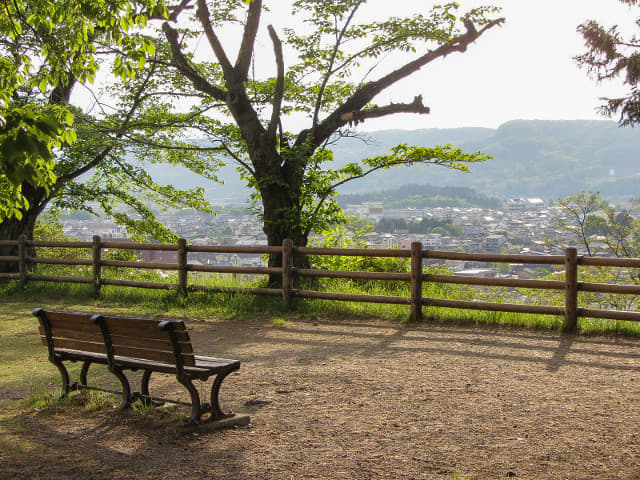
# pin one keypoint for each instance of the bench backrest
(156, 340)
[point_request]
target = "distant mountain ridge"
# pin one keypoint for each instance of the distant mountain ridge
(424, 195)
(533, 158)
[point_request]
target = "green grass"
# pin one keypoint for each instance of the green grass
(208, 304)
(22, 355)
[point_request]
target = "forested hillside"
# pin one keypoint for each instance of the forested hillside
(423, 196)
(539, 158)
(548, 159)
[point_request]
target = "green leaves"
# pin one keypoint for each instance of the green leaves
(27, 138)
(46, 48)
(444, 155)
(609, 55)
(337, 53)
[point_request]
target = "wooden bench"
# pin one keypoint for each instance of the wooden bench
(129, 343)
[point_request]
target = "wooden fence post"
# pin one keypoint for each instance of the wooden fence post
(22, 260)
(287, 271)
(571, 289)
(96, 252)
(182, 266)
(416, 281)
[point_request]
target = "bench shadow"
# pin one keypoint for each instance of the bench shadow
(99, 450)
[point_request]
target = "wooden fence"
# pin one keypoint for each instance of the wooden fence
(416, 277)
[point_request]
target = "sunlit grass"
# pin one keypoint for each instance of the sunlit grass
(244, 305)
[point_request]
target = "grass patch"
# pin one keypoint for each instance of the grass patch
(22, 355)
(278, 322)
(44, 401)
(239, 306)
(95, 400)
(142, 409)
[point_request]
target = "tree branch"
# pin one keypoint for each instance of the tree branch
(177, 10)
(279, 92)
(330, 71)
(359, 116)
(182, 148)
(76, 173)
(181, 62)
(248, 39)
(336, 185)
(205, 20)
(119, 133)
(367, 92)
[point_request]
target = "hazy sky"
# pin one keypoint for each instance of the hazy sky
(523, 70)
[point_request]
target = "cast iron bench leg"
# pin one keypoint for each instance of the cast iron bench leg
(196, 411)
(66, 385)
(83, 373)
(126, 388)
(216, 411)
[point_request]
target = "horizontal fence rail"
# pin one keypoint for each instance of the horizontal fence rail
(416, 277)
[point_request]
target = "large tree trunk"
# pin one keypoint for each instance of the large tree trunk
(12, 228)
(282, 220)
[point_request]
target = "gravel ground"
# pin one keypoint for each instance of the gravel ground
(341, 399)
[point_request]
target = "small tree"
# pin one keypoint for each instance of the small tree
(618, 228)
(578, 216)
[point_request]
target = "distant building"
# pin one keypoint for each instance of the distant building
(494, 243)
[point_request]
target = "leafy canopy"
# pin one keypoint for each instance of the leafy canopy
(45, 48)
(277, 121)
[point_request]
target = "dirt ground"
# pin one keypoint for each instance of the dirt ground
(371, 400)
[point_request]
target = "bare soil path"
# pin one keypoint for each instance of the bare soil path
(371, 400)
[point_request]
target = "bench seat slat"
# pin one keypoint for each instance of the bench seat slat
(197, 371)
(208, 362)
(68, 353)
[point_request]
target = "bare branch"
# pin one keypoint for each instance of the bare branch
(248, 39)
(205, 20)
(181, 62)
(367, 92)
(178, 9)
(330, 71)
(359, 116)
(279, 93)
